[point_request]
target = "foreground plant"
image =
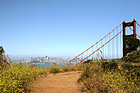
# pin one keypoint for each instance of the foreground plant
(99, 76)
(18, 77)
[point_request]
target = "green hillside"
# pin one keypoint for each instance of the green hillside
(133, 57)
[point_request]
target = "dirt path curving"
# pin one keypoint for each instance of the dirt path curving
(58, 83)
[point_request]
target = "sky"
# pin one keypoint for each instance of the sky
(60, 27)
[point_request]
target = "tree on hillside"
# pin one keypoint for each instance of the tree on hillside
(4, 60)
(1, 50)
(132, 43)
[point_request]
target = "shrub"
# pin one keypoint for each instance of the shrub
(134, 56)
(66, 68)
(132, 43)
(76, 68)
(90, 68)
(4, 61)
(115, 81)
(109, 65)
(55, 69)
(18, 77)
(98, 76)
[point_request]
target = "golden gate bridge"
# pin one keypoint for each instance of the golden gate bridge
(112, 45)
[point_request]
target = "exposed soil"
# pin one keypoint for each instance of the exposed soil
(58, 83)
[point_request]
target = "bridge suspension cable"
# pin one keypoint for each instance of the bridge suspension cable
(103, 45)
(138, 24)
(132, 29)
(92, 45)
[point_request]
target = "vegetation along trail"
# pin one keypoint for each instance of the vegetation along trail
(58, 83)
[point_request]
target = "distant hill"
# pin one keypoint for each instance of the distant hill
(133, 56)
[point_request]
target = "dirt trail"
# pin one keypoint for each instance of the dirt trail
(58, 83)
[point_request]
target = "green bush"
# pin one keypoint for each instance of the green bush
(100, 76)
(55, 69)
(76, 68)
(132, 43)
(109, 65)
(66, 68)
(90, 68)
(134, 56)
(115, 81)
(18, 77)
(4, 61)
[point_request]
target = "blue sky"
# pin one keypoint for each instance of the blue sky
(60, 27)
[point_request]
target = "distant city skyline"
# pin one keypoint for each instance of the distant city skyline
(44, 60)
(60, 28)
